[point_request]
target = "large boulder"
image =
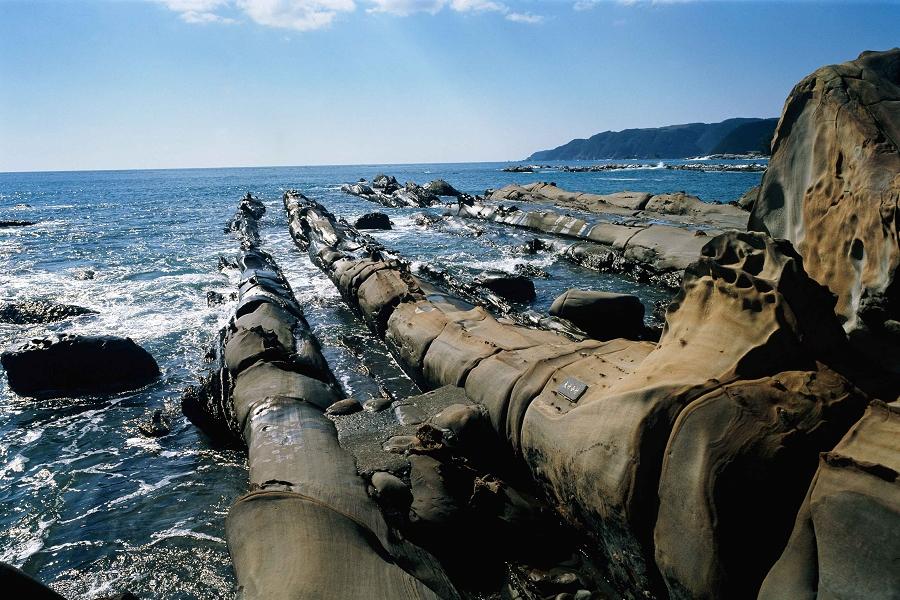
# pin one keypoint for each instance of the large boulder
(846, 539)
(73, 365)
(515, 288)
(832, 189)
(602, 315)
(375, 220)
(738, 463)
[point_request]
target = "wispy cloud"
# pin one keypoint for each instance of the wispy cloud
(307, 15)
(407, 7)
(299, 15)
(198, 11)
(526, 18)
(589, 4)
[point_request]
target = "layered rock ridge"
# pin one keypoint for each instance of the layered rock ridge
(307, 514)
(603, 425)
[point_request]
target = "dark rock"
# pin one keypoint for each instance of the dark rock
(533, 246)
(347, 406)
(390, 490)
(375, 220)
(71, 365)
(602, 315)
(214, 298)
(40, 311)
(435, 493)
(85, 275)
(15, 223)
(748, 199)
(385, 184)
(18, 584)
(157, 426)
(439, 187)
(515, 288)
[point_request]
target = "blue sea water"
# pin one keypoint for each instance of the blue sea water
(89, 505)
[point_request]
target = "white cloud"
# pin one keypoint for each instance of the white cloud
(403, 8)
(477, 6)
(198, 11)
(306, 15)
(301, 15)
(528, 18)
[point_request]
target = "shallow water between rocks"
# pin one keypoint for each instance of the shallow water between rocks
(87, 503)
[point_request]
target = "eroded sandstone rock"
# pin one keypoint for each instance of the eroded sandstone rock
(846, 539)
(737, 465)
(833, 185)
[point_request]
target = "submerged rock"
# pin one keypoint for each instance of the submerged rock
(40, 311)
(157, 426)
(602, 315)
(374, 220)
(74, 365)
(16, 223)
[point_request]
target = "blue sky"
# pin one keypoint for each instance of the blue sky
(94, 84)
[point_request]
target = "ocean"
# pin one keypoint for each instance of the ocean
(89, 505)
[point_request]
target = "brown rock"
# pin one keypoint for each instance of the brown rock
(846, 539)
(738, 463)
(833, 185)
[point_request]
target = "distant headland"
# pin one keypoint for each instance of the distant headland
(731, 136)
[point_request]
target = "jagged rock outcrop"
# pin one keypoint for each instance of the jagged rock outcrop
(846, 539)
(385, 190)
(40, 311)
(833, 187)
(75, 365)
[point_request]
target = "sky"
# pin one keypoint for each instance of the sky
(113, 84)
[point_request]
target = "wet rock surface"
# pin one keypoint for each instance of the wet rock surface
(15, 223)
(40, 311)
(73, 365)
(374, 220)
(515, 288)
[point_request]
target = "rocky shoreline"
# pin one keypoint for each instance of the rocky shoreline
(748, 449)
(600, 168)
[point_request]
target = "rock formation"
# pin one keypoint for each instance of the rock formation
(306, 507)
(591, 419)
(602, 315)
(40, 311)
(832, 189)
(846, 539)
(74, 365)
(678, 208)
